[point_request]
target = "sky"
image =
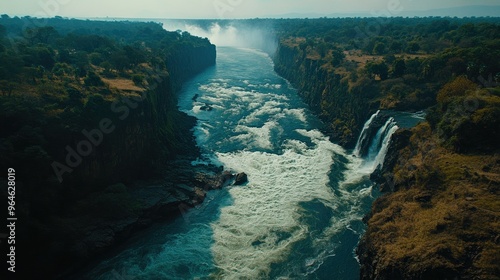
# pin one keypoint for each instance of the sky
(220, 9)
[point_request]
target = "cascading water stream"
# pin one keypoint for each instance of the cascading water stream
(379, 143)
(379, 160)
(364, 134)
(378, 139)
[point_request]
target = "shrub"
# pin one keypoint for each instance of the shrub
(458, 87)
(138, 79)
(93, 80)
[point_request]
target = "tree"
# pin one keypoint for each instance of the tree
(413, 47)
(95, 58)
(134, 55)
(458, 87)
(93, 80)
(303, 46)
(119, 60)
(7, 87)
(337, 56)
(457, 65)
(379, 48)
(322, 49)
(378, 69)
(138, 79)
(10, 65)
(45, 57)
(42, 35)
(383, 71)
(389, 58)
(396, 47)
(80, 59)
(399, 68)
(3, 31)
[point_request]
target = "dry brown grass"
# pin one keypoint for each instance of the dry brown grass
(122, 84)
(361, 59)
(457, 228)
(293, 41)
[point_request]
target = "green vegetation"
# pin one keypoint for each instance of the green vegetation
(401, 64)
(85, 105)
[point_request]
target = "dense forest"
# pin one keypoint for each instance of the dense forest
(440, 217)
(375, 64)
(87, 108)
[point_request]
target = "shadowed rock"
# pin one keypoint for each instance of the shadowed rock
(206, 107)
(241, 178)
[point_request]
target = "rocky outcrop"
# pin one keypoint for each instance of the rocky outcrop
(213, 182)
(241, 178)
(327, 93)
(384, 176)
(130, 209)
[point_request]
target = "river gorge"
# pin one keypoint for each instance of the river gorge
(300, 214)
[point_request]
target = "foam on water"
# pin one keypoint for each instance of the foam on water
(262, 224)
(256, 137)
(304, 192)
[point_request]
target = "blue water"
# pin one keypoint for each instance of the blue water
(299, 217)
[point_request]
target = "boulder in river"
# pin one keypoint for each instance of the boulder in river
(241, 178)
(206, 107)
(213, 182)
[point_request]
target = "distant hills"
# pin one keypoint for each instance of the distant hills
(464, 11)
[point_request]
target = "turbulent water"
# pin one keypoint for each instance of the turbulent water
(299, 217)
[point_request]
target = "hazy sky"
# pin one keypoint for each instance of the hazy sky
(219, 8)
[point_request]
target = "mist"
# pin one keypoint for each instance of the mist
(228, 34)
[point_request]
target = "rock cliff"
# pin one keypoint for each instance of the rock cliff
(327, 93)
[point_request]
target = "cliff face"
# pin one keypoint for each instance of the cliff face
(185, 61)
(96, 201)
(440, 218)
(148, 128)
(327, 93)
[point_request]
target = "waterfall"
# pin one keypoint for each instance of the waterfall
(364, 134)
(373, 146)
(390, 130)
(377, 141)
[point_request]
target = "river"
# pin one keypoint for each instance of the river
(299, 216)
